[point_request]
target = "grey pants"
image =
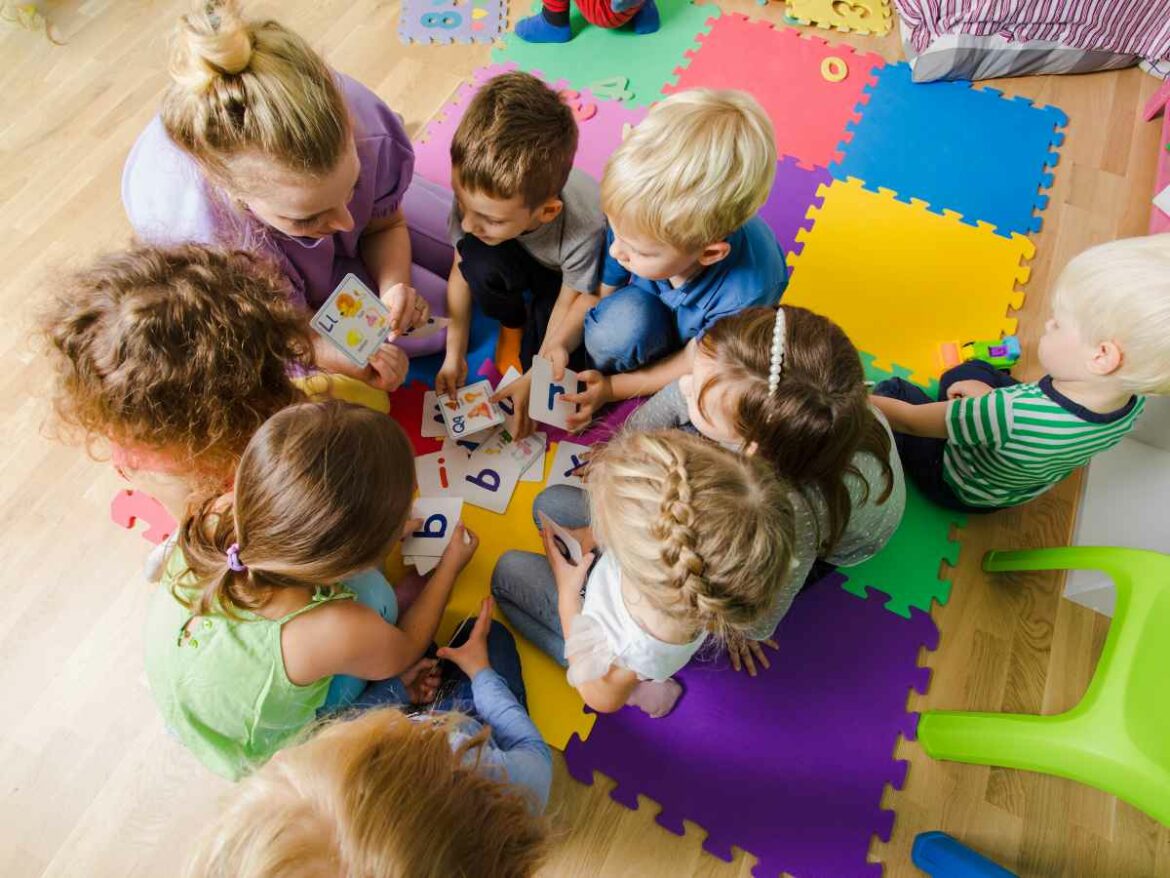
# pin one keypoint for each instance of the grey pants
(523, 583)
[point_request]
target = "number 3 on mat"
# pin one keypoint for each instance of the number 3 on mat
(444, 20)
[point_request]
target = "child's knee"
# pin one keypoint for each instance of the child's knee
(567, 505)
(629, 329)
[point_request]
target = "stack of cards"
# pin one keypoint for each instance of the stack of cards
(485, 477)
(353, 319)
(425, 546)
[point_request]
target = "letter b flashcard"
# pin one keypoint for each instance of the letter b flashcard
(439, 516)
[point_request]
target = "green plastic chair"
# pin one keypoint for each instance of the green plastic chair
(1118, 738)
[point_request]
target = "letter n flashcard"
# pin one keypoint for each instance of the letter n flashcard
(439, 516)
(546, 400)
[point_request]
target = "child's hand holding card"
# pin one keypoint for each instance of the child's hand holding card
(546, 402)
(568, 463)
(439, 516)
(470, 410)
(354, 320)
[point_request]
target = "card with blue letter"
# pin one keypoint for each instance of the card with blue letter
(567, 464)
(439, 516)
(546, 401)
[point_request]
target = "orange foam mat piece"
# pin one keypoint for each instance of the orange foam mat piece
(901, 280)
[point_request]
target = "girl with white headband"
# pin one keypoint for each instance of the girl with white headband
(787, 384)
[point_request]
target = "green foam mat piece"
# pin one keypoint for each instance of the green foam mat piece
(908, 568)
(595, 54)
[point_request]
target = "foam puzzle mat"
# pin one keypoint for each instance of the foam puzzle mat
(856, 16)
(790, 765)
(451, 21)
(595, 55)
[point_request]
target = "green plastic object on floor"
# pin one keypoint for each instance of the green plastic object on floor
(1118, 738)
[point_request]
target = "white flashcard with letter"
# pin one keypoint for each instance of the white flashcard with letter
(439, 516)
(489, 480)
(470, 410)
(546, 401)
(567, 463)
(433, 424)
(439, 472)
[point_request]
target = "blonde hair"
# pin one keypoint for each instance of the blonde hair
(698, 167)
(321, 492)
(181, 350)
(243, 85)
(516, 138)
(377, 795)
(705, 533)
(1120, 292)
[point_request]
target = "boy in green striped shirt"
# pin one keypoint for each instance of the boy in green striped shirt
(991, 442)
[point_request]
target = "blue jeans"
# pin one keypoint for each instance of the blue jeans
(523, 583)
(373, 591)
(629, 329)
(454, 691)
(922, 456)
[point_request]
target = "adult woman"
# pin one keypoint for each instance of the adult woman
(259, 143)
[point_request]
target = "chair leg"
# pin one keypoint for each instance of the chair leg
(1035, 743)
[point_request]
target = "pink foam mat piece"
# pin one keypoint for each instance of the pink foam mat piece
(600, 122)
(783, 71)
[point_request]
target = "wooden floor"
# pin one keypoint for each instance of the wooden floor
(89, 783)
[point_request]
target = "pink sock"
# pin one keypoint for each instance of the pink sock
(655, 697)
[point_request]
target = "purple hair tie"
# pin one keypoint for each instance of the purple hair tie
(233, 556)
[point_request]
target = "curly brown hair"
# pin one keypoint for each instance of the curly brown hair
(180, 351)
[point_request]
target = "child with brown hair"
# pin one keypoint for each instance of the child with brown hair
(252, 625)
(175, 356)
(382, 795)
(260, 144)
(787, 385)
(527, 225)
(692, 541)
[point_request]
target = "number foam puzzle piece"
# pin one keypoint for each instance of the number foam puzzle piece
(452, 21)
(129, 507)
(856, 16)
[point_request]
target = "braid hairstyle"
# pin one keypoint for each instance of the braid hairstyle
(321, 492)
(706, 535)
(817, 418)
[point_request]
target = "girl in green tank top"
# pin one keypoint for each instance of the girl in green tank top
(251, 623)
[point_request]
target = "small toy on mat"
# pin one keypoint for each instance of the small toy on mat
(444, 21)
(1002, 354)
(941, 856)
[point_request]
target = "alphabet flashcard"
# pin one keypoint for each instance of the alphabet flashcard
(433, 424)
(489, 480)
(439, 516)
(507, 406)
(426, 330)
(546, 402)
(438, 473)
(470, 410)
(567, 464)
(353, 319)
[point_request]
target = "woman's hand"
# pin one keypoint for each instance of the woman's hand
(386, 369)
(407, 309)
(461, 549)
(570, 578)
(745, 653)
(472, 656)
(598, 391)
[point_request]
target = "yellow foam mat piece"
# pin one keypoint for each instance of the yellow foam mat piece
(901, 280)
(856, 16)
(555, 706)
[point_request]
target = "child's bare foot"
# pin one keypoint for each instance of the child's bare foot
(656, 697)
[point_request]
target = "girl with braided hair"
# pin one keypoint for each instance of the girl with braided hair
(787, 385)
(691, 541)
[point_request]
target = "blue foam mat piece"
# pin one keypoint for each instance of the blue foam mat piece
(481, 347)
(957, 148)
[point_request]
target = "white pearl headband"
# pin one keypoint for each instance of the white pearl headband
(777, 366)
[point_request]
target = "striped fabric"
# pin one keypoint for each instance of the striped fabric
(1014, 443)
(1132, 27)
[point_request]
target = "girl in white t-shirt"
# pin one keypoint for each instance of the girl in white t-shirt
(690, 540)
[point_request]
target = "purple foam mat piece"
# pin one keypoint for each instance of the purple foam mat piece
(793, 193)
(790, 765)
(603, 428)
(451, 21)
